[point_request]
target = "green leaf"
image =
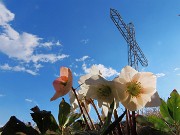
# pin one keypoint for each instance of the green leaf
(71, 119)
(64, 110)
(108, 119)
(90, 132)
(53, 124)
(142, 120)
(165, 112)
(158, 123)
(78, 125)
(173, 104)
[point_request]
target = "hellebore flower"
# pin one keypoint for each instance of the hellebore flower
(134, 89)
(96, 87)
(81, 98)
(104, 111)
(92, 71)
(63, 84)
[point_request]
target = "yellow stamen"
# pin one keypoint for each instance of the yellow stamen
(134, 88)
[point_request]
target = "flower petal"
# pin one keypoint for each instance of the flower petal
(119, 80)
(64, 71)
(63, 84)
(141, 101)
(146, 79)
(127, 73)
(104, 111)
(120, 91)
(93, 71)
(56, 95)
(95, 80)
(130, 103)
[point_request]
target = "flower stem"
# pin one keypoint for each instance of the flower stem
(74, 90)
(113, 125)
(127, 122)
(118, 124)
(134, 123)
(130, 121)
(82, 104)
(95, 108)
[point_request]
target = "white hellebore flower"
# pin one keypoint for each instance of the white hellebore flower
(92, 71)
(74, 102)
(134, 89)
(104, 111)
(96, 87)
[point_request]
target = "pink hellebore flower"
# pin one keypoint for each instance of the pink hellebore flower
(63, 84)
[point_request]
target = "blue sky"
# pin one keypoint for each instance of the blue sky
(39, 36)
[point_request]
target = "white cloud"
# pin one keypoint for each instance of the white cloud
(48, 57)
(17, 69)
(83, 58)
(178, 74)
(31, 101)
(85, 41)
(176, 69)
(28, 100)
(50, 44)
(85, 69)
(23, 47)
(19, 46)
(106, 71)
(37, 66)
(5, 67)
(76, 74)
(5, 15)
(160, 75)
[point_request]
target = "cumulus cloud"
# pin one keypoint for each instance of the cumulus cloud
(23, 46)
(19, 46)
(6, 67)
(83, 58)
(160, 75)
(5, 15)
(105, 71)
